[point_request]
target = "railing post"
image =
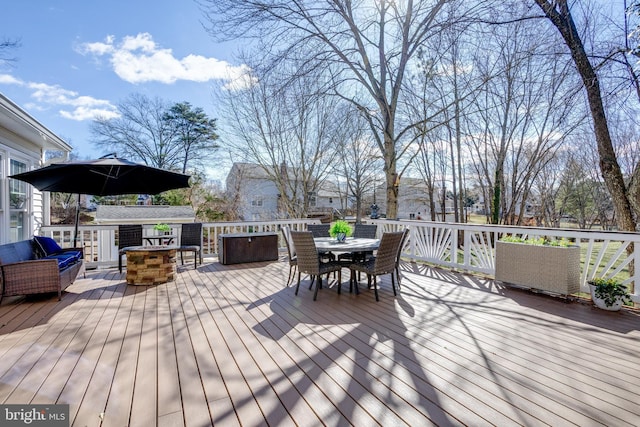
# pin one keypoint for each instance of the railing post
(467, 250)
(412, 241)
(454, 248)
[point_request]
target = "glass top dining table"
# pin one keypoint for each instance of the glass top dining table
(351, 244)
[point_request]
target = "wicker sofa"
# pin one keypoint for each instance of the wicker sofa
(37, 266)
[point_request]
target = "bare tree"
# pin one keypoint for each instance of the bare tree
(432, 165)
(141, 132)
(291, 132)
(367, 48)
(178, 137)
(560, 15)
(550, 207)
(7, 45)
(359, 160)
(442, 89)
(523, 115)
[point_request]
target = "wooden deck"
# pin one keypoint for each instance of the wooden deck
(231, 345)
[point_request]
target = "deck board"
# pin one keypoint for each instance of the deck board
(232, 345)
(102, 380)
(189, 343)
(170, 412)
(144, 403)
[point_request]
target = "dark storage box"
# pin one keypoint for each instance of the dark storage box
(247, 247)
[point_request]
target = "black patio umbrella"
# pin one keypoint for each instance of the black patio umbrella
(107, 176)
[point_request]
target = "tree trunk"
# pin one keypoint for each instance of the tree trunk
(495, 200)
(609, 166)
(393, 179)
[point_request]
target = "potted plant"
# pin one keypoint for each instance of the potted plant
(608, 294)
(340, 230)
(536, 263)
(162, 228)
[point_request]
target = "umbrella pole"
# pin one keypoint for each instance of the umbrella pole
(75, 231)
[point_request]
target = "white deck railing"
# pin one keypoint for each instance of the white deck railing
(471, 248)
(463, 247)
(101, 246)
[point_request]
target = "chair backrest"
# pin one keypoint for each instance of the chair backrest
(308, 260)
(129, 235)
(291, 248)
(401, 245)
(388, 252)
(367, 231)
(191, 234)
(319, 230)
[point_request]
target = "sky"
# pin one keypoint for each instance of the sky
(80, 58)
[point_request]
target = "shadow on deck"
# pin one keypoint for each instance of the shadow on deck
(231, 345)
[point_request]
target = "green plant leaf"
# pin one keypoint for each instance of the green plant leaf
(340, 226)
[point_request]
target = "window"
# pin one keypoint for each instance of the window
(18, 203)
(312, 199)
(257, 202)
(17, 189)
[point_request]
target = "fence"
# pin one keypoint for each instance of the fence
(471, 248)
(463, 247)
(100, 242)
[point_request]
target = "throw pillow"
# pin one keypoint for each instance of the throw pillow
(47, 245)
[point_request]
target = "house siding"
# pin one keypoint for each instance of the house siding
(26, 140)
(258, 196)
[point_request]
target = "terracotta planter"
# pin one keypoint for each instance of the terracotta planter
(553, 269)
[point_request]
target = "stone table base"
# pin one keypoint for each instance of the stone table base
(150, 265)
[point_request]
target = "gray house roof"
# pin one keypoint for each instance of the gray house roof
(252, 171)
(134, 214)
(17, 121)
(249, 170)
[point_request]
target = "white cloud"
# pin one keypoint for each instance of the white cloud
(74, 106)
(98, 48)
(139, 59)
(89, 113)
(241, 78)
(8, 79)
(82, 107)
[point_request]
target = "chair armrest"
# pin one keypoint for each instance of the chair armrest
(30, 277)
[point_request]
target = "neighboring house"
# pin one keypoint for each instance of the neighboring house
(140, 214)
(254, 194)
(413, 200)
(23, 145)
(328, 199)
(257, 197)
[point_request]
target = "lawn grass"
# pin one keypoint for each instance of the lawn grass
(610, 251)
